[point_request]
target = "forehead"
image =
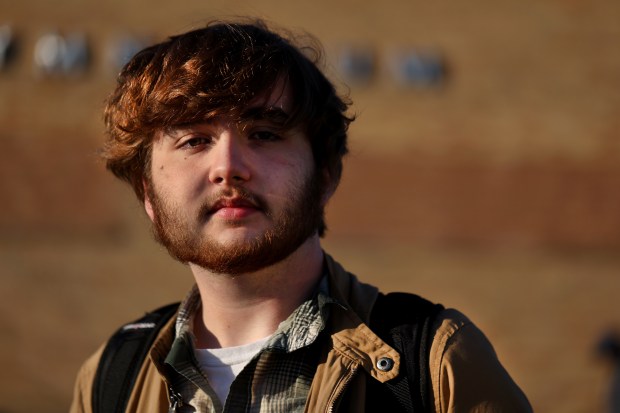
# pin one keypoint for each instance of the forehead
(274, 104)
(280, 96)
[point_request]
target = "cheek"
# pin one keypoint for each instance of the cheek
(289, 168)
(159, 175)
(158, 166)
(297, 174)
(296, 159)
(174, 174)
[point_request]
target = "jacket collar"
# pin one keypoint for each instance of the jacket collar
(351, 335)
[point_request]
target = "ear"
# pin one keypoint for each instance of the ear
(148, 206)
(328, 189)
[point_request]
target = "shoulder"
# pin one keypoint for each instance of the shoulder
(450, 328)
(82, 392)
(465, 369)
(127, 355)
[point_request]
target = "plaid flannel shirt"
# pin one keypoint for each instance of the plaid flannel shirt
(277, 379)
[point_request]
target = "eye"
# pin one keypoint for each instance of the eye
(195, 142)
(264, 136)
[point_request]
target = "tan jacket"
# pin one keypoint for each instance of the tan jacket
(466, 375)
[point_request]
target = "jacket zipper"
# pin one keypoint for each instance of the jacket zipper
(345, 383)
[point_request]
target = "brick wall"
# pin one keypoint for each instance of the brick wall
(518, 148)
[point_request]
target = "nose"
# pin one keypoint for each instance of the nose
(228, 160)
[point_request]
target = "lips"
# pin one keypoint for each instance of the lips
(233, 208)
(232, 203)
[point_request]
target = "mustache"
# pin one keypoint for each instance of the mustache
(237, 193)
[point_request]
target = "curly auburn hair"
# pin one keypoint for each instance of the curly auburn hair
(218, 70)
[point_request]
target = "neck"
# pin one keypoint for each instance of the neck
(244, 308)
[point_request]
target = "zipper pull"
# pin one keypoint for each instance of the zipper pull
(175, 401)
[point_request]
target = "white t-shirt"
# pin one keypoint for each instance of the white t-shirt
(222, 365)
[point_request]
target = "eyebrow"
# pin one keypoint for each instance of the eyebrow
(275, 115)
(272, 114)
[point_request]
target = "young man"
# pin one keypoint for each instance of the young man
(233, 139)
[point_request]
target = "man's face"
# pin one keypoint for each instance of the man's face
(235, 198)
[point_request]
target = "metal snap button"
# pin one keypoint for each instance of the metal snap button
(385, 364)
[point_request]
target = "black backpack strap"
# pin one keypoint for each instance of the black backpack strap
(404, 321)
(122, 359)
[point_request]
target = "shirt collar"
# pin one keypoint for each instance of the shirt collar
(300, 329)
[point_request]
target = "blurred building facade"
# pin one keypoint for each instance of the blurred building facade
(501, 121)
(487, 124)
